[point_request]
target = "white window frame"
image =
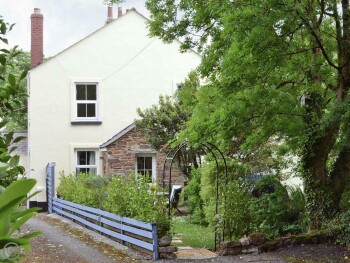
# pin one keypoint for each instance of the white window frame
(154, 164)
(75, 102)
(76, 165)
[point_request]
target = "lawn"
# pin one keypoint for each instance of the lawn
(190, 234)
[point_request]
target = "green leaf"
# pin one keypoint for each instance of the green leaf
(19, 138)
(15, 226)
(17, 190)
(17, 213)
(3, 28)
(23, 74)
(31, 235)
(12, 80)
(3, 60)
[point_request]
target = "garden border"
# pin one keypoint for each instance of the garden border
(140, 234)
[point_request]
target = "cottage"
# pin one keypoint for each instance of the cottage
(128, 151)
(80, 98)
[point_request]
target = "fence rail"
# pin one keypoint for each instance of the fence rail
(137, 233)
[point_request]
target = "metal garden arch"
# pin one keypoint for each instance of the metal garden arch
(211, 148)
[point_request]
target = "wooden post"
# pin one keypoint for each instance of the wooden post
(51, 185)
(155, 241)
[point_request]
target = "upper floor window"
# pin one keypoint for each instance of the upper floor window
(86, 101)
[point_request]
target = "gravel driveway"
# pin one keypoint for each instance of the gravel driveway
(66, 242)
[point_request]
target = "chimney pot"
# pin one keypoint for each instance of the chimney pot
(120, 11)
(36, 51)
(109, 14)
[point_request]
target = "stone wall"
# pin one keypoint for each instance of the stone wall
(120, 157)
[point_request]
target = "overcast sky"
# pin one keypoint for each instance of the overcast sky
(65, 21)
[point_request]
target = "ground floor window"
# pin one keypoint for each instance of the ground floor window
(86, 161)
(145, 164)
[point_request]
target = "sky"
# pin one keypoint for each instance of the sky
(65, 21)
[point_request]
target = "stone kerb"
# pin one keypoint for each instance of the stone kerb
(257, 243)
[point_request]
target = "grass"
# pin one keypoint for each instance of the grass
(192, 235)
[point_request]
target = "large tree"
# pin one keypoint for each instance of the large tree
(260, 58)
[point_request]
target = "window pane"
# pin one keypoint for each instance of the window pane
(140, 163)
(91, 92)
(90, 158)
(92, 170)
(148, 163)
(81, 110)
(82, 160)
(81, 170)
(149, 172)
(90, 108)
(81, 94)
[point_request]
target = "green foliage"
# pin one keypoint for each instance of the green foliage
(238, 217)
(84, 189)
(193, 199)
(11, 98)
(132, 197)
(345, 200)
(339, 228)
(256, 71)
(12, 217)
(270, 209)
(9, 168)
(18, 119)
(161, 123)
(275, 212)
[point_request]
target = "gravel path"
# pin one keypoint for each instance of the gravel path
(62, 243)
(66, 242)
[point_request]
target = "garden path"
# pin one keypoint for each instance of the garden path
(66, 242)
(63, 243)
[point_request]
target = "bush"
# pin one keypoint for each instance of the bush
(268, 208)
(274, 211)
(339, 228)
(238, 216)
(130, 197)
(236, 206)
(193, 199)
(84, 189)
(345, 199)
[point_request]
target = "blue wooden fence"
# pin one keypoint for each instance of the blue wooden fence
(134, 232)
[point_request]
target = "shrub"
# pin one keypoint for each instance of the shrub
(84, 189)
(193, 199)
(345, 199)
(238, 217)
(134, 198)
(130, 197)
(235, 207)
(339, 228)
(274, 211)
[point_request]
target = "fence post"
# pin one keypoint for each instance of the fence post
(51, 184)
(155, 241)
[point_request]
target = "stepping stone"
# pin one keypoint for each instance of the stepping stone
(194, 253)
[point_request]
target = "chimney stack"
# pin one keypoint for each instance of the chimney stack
(109, 15)
(120, 11)
(36, 51)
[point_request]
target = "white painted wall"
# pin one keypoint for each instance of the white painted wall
(132, 70)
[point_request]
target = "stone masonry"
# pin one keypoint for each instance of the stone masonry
(120, 157)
